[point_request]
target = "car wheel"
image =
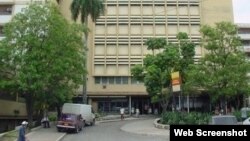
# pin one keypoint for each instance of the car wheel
(59, 129)
(93, 122)
(77, 129)
(83, 123)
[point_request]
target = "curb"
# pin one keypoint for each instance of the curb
(116, 120)
(160, 126)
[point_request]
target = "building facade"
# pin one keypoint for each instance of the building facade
(116, 43)
(244, 33)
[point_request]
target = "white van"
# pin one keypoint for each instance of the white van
(84, 109)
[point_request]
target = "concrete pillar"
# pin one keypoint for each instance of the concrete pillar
(90, 101)
(129, 103)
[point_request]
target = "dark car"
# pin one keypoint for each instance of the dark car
(223, 120)
(70, 122)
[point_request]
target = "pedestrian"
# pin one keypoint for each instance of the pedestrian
(22, 131)
(122, 113)
(45, 121)
(137, 112)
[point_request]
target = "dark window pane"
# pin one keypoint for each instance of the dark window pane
(124, 80)
(97, 80)
(104, 80)
(118, 80)
(5, 9)
(111, 80)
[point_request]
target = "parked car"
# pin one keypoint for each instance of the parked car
(246, 121)
(68, 122)
(223, 120)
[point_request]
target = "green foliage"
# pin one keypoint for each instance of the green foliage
(52, 117)
(191, 118)
(237, 114)
(137, 72)
(157, 68)
(85, 8)
(223, 70)
(156, 43)
(43, 56)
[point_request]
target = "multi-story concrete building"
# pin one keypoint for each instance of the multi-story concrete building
(244, 33)
(116, 42)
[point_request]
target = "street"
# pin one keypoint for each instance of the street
(109, 131)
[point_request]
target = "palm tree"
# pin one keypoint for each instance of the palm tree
(83, 9)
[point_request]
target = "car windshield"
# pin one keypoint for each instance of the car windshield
(68, 117)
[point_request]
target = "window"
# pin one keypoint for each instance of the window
(134, 81)
(124, 80)
(118, 80)
(246, 42)
(104, 80)
(5, 9)
(97, 80)
(244, 31)
(111, 80)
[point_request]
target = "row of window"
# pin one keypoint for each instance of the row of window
(115, 80)
(5, 9)
(244, 31)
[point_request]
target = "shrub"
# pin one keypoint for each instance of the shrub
(237, 114)
(185, 118)
(52, 117)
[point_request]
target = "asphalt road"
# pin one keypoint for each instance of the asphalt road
(109, 131)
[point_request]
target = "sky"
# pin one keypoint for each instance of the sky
(241, 10)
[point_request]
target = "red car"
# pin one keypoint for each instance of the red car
(70, 122)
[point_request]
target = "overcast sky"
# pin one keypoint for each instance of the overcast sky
(241, 11)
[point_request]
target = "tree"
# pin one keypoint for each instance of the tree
(45, 54)
(222, 72)
(84, 9)
(157, 68)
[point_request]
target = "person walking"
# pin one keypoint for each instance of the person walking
(45, 121)
(22, 131)
(122, 113)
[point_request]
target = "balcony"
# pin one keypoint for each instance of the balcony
(245, 36)
(247, 49)
(5, 18)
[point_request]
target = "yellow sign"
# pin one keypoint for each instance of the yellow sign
(175, 75)
(176, 81)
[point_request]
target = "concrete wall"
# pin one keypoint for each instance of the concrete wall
(8, 107)
(213, 11)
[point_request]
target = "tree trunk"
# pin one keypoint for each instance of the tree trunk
(164, 106)
(85, 46)
(58, 108)
(29, 108)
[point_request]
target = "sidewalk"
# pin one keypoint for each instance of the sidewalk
(45, 134)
